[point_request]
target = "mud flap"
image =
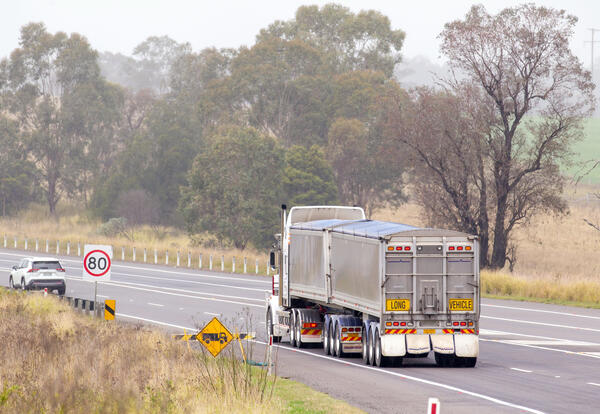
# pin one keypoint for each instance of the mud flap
(393, 345)
(417, 344)
(443, 344)
(466, 345)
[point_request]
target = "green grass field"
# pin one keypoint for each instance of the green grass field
(587, 152)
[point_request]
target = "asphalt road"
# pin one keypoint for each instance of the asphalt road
(533, 357)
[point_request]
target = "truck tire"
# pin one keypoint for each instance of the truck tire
(326, 337)
(298, 327)
(470, 362)
(371, 349)
(364, 340)
(443, 360)
(380, 360)
(339, 349)
(270, 327)
(293, 328)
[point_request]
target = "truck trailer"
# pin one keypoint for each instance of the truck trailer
(384, 290)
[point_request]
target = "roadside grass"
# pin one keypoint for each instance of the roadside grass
(73, 227)
(57, 361)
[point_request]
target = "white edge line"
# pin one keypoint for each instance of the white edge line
(212, 313)
(521, 370)
(155, 304)
(540, 311)
(540, 323)
(564, 351)
(424, 381)
(593, 383)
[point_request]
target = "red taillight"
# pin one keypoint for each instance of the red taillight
(309, 325)
(273, 285)
(32, 270)
(450, 247)
(60, 270)
(398, 247)
(463, 324)
(455, 323)
(459, 248)
(396, 324)
(402, 323)
(407, 248)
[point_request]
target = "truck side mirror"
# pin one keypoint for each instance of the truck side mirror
(272, 260)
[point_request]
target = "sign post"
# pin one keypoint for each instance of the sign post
(97, 261)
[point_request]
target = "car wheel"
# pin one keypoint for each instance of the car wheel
(23, 287)
(11, 284)
(61, 291)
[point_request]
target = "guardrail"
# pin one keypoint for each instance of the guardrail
(190, 259)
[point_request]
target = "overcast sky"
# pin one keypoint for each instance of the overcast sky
(119, 25)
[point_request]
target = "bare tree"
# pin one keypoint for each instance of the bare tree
(539, 94)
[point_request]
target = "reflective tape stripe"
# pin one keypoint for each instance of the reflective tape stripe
(400, 331)
(448, 331)
(467, 331)
(311, 332)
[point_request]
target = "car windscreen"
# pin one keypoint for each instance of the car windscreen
(47, 265)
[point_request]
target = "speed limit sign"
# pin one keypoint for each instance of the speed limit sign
(97, 262)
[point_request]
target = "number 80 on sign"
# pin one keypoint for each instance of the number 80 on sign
(97, 262)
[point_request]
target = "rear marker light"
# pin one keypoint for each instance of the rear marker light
(396, 324)
(455, 323)
(407, 248)
(398, 247)
(402, 323)
(451, 248)
(470, 323)
(309, 325)
(467, 247)
(344, 329)
(390, 248)
(388, 324)
(459, 248)
(463, 324)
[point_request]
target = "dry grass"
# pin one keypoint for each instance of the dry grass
(57, 361)
(75, 228)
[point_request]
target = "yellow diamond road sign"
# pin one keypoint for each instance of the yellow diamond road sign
(214, 336)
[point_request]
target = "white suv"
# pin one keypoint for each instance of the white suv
(38, 273)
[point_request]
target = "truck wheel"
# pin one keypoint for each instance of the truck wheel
(380, 360)
(470, 361)
(339, 349)
(326, 339)
(371, 350)
(298, 335)
(270, 327)
(443, 360)
(293, 328)
(365, 345)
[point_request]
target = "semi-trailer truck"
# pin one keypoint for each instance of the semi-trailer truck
(385, 290)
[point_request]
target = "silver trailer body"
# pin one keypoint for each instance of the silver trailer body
(386, 270)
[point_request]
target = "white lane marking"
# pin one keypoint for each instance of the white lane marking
(187, 328)
(102, 296)
(593, 383)
(540, 323)
(182, 295)
(488, 332)
(211, 313)
(190, 281)
(549, 343)
(541, 347)
(382, 371)
(521, 370)
(155, 304)
(185, 291)
(541, 311)
(150, 268)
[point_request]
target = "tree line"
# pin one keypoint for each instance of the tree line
(213, 141)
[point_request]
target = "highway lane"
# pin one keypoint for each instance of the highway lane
(530, 354)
